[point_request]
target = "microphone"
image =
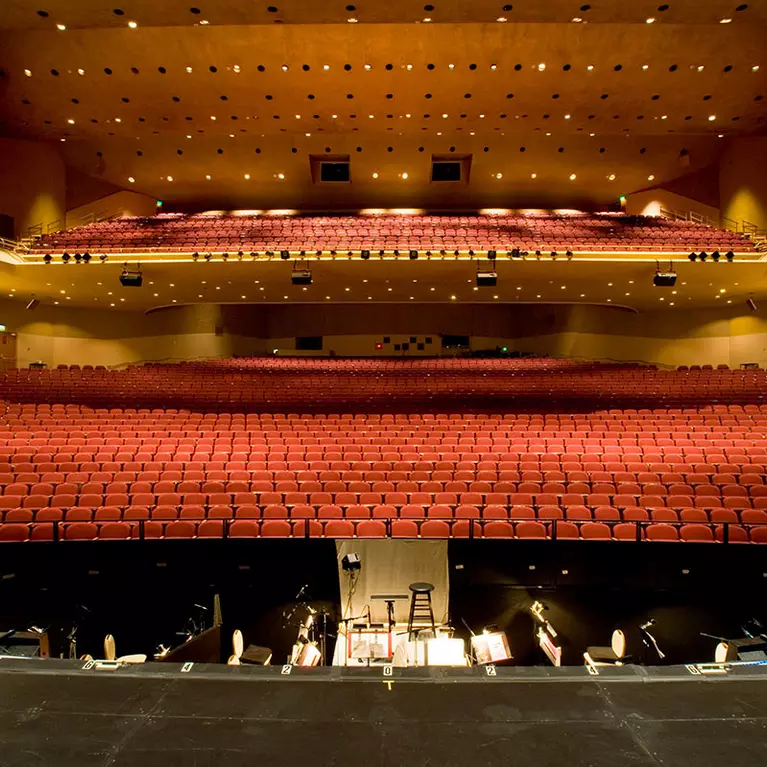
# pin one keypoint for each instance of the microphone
(647, 624)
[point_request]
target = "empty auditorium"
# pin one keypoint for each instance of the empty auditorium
(383, 383)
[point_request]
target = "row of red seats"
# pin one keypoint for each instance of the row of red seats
(333, 511)
(273, 528)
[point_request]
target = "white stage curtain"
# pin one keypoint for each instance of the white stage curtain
(389, 567)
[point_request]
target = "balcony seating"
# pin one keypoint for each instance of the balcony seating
(578, 232)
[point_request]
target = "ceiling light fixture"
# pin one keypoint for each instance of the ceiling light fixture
(132, 24)
(61, 27)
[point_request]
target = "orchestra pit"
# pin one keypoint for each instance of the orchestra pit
(383, 383)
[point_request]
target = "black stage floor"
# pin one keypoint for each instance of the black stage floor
(54, 713)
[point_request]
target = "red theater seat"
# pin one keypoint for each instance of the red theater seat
(595, 531)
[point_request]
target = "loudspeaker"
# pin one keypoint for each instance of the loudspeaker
(664, 279)
(301, 277)
(128, 280)
(751, 304)
(32, 305)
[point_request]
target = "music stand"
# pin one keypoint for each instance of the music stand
(390, 599)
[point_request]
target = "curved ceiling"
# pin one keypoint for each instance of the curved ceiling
(628, 284)
(231, 109)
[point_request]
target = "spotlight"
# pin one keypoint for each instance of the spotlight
(47, 258)
(195, 256)
(253, 254)
(103, 257)
(428, 253)
(225, 256)
(332, 252)
(240, 254)
(569, 255)
(381, 253)
(269, 253)
(703, 256)
(365, 255)
(65, 258)
(443, 252)
(715, 255)
(396, 252)
(318, 253)
(456, 252)
(730, 256)
(208, 256)
(87, 257)
(78, 258)
(553, 255)
(284, 255)
(302, 253)
(471, 253)
(351, 562)
(413, 255)
(692, 256)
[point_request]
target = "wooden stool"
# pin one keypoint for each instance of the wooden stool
(420, 607)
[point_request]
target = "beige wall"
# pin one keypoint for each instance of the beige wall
(743, 180)
(57, 335)
(122, 203)
(650, 202)
(32, 185)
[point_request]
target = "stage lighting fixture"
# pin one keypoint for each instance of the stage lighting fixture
(365, 255)
(553, 255)
(381, 253)
(208, 256)
(413, 255)
(730, 256)
(32, 305)
(396, 252)
(443, 252)
(703, 256)
(78, 258)
(471, 253)
(515, 253)
(195, 256)
(240, 254)
(87, 257)
(284, 255)
(332, 252)
(302, 253)
(225, 256)
(693, 256)
(351, 562)
(130, 279)
(65, 258)
(269, 253)
(318, 253)
(715, 255)
(569, 254)
(47, 258)
(253, 254)
(456, 252)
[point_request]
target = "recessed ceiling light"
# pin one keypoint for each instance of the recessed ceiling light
(711, 118)
(80, 71)
(541, 67)
(577, 20)
(755, 68)
(247, 176)
(572, 177)
(590, 67)
(499, 175)
(451, 66)
(284, 67)
(452, 298)
(611, 177)
(61, 27)
(28, 72)
(501, 19)
(408, 66)
(645, 67)
(204, 22)
(375, 175)
(207, 177)
(352, 21)
(427, 20)
(650, 20)
(725, 21)
(404, 175)
(368, 67)
(189, 70)
(131, 179)
(651, 178)
(280, 176)
(533, 175)
(132, 24)
(71, 121)
(170, 178)
(326, 67)
(567, 117)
